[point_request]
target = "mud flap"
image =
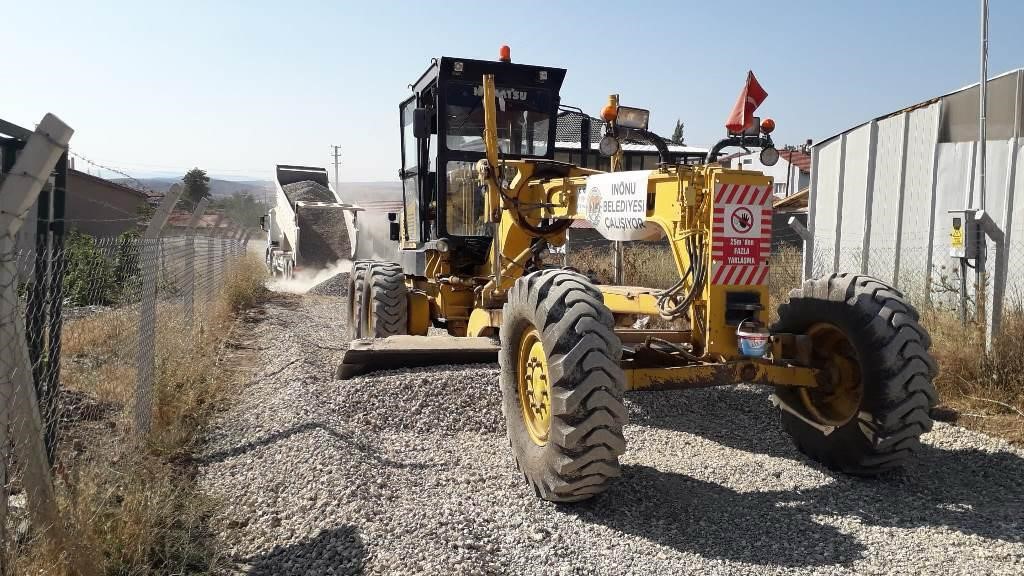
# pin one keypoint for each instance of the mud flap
(368, 355)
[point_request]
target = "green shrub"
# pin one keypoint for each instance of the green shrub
(89, 278)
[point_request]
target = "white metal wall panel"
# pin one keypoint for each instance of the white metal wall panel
(1015, 270)
(855, 179)
(917, 192)
(996, 157)
(885, 197)
(825, 201)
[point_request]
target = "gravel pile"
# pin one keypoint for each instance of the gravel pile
(308, 191)
(409, 472)
(336, 285)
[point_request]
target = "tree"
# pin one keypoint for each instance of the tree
(197, 186)
(242, 208)
(677, 134)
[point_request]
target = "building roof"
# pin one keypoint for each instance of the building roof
(107, 183)
(793, 202)
(798, 158)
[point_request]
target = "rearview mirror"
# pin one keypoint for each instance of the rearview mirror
(423, 123)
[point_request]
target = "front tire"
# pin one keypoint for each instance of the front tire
(388, 309)
(867, 338)
(561, 385)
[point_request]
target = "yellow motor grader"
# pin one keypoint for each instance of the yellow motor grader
(485, 199)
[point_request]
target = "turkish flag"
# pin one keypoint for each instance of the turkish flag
(743, 112)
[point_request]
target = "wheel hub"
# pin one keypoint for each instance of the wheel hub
(838, 400)
(534, 387)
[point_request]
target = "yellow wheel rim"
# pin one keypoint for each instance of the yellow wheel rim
(534, 387)
(837, 401)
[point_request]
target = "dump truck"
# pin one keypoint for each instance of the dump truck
(308, 228)
(846, 359)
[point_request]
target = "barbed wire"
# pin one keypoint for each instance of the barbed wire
(140, 186)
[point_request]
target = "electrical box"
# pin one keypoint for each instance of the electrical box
(963, 234)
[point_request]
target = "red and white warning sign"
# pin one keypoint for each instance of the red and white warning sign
(741, 230)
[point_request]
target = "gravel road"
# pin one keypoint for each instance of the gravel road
(409, 472)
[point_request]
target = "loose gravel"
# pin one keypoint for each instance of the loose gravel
(308, 191)
(336, 285)
(409, 472)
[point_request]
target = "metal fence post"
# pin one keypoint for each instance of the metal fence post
(18, 191)
(989, 227)
(190, 260)
(229, 233)
(812, 197)
(212, 235)
(147, 310)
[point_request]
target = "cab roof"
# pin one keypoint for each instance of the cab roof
(505, 73)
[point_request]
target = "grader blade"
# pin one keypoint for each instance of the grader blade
(368, 355)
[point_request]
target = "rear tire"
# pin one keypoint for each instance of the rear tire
(577, 454)
(388, 310)
(356, 289)
(895, 372)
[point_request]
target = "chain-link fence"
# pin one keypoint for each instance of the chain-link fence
(88, 350)
(936, 280)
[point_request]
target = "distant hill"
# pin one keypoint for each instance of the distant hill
(218, 188)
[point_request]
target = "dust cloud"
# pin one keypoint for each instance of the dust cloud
(303, 280)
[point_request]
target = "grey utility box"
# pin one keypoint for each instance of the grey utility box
(964, 234)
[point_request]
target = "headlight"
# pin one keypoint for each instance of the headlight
(635, 118)
(609, 145)
(769, 156)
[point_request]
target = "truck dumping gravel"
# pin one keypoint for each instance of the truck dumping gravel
(307, 227)
(408, 472)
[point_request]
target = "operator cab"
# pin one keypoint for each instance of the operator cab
(442, 132)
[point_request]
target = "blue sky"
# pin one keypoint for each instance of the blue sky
(236, 87)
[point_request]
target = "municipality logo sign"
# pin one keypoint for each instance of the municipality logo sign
(594, 206)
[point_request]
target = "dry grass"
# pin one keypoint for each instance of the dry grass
(980, 389)
(644, 264)
(130, 499)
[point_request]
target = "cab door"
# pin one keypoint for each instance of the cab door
(411, 233)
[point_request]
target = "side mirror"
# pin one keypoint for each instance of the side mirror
(263, 223)
(423, 123)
